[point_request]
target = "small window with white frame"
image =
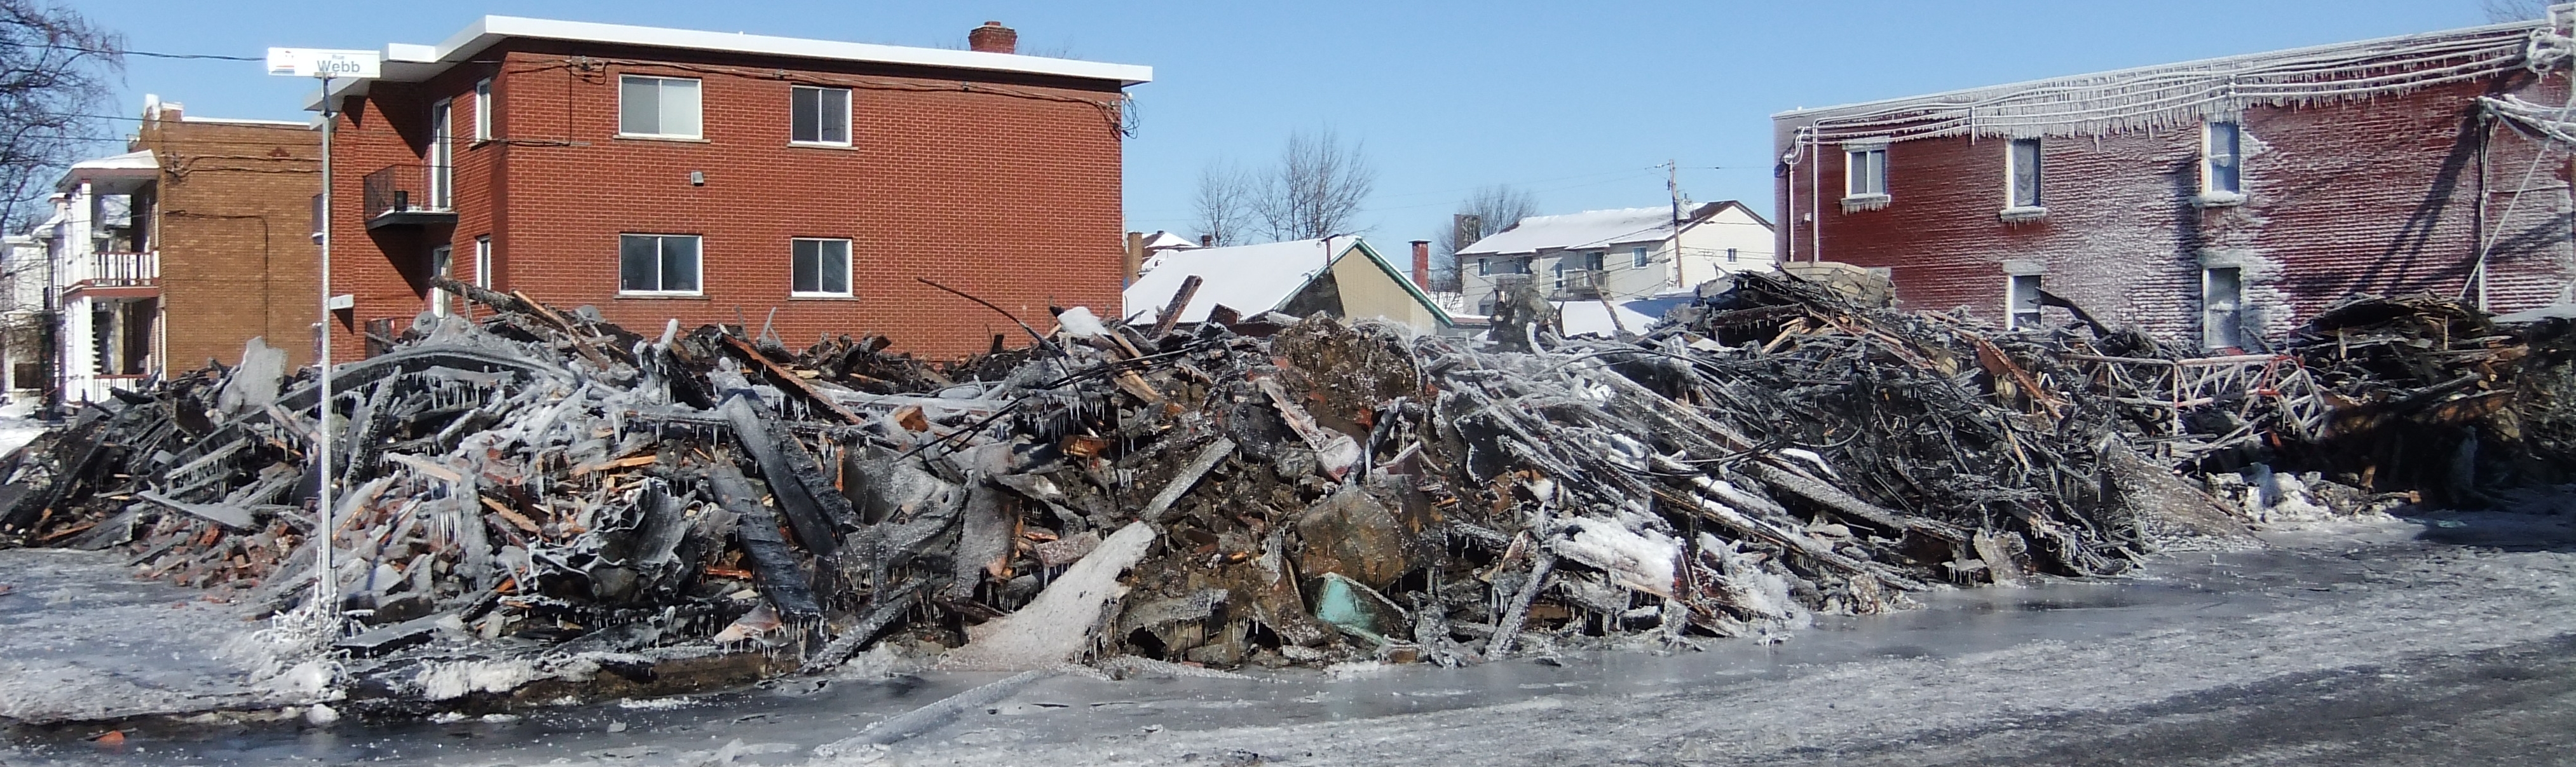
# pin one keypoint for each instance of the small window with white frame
(658, 107)
(818, 116)
(2222, 308)
(1639, 254)
(483, 109)
(2022, 175)
(2023, 304)
(2222, 159)
(1484, 266)
(1865, 172)
(819, 268)
(658, 264)
(1730, 255)
(483, 262)
(442, 263)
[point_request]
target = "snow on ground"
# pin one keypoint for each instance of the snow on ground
(18, 425)
(81, 638)
(2379, 635)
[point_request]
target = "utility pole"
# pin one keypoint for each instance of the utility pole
(1673, 184)
(326, 65)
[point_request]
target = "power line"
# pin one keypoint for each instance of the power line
(152, 54)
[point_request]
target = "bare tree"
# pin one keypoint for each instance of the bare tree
(1495, 208)
(55, 68)
(2501, 11)
(1317, 188)
(1224, 202)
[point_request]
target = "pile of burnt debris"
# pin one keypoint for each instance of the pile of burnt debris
(544, 499)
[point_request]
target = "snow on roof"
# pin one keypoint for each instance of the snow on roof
(138, 160)
(411, 62)
(1246, 278)
(123, 167)
(2187, 92)
(1590, 317)
(1591, 228)
(1163, 240)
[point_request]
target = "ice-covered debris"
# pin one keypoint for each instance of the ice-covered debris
(1061, 622)
(1079, 323)
(1638, 560)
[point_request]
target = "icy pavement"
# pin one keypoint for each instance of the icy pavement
(82, 639)
(18, 425)
(2370, 645)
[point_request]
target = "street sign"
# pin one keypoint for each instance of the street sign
(315, 62)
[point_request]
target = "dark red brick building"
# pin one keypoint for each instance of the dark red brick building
(711, 177)
(2214, 203)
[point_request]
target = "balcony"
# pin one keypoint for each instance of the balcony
(409, 196)
(1581, 283)
(98, 271)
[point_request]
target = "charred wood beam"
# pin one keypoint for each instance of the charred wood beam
(773, 564)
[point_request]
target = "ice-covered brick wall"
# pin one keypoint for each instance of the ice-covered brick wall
(2378, 195)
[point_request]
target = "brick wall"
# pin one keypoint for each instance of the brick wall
(1006, 187)
(235, 228)
(2366, 196)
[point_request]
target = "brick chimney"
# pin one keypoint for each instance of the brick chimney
(993, 38)
(1422, 264)
(1207, 240)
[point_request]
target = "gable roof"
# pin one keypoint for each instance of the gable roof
(1591, 228)
(1167, 241)
(410, 62)
(1250, 278)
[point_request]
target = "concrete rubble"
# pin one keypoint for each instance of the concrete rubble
(544, 504)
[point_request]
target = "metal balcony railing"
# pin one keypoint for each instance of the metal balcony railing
(409, 195)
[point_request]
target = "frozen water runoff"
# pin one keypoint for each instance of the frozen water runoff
(2433, 641)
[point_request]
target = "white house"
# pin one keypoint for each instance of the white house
(1341, 276)
(104, 274)
(1627, 253)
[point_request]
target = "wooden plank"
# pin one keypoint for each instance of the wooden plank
(787, 379)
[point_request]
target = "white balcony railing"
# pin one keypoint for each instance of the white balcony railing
(112, 270)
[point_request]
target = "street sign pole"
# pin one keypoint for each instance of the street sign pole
(326, 65)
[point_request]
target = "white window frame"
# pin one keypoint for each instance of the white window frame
(1730, 255)
(442, 263)
(1640, 255)
(662, 109)
(2210, 312)
(483, 109)
(1865, 172)
(2012, 311)
(847, 279)
(2012, 175)
(483, 262)
(2210, 162)
(799, 91)
(1484, 267)
(701, 278)
(440, 179)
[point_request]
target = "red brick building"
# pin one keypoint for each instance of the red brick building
(708, 177)
(2213, 203)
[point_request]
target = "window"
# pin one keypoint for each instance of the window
(483, 110)
(819, 116)
(1559, 271)
(483, 262)
(441, 264)
(660, 107)
(2222, 307)
(2024, 302)
(1865, 172)
(1640, 255)
(657, 264)
(819, 267)
(442, 156)
(2219, 159)
(1484, 266)
(2021, 170)
(1592, 260)
(1730, 255)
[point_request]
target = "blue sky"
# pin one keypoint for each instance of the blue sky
(1576, 101)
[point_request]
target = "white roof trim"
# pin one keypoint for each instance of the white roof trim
(411, 62)
(188, 118)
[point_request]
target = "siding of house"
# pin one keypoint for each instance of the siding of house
(1003, 186)
(234, 228)
(2378, 195)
